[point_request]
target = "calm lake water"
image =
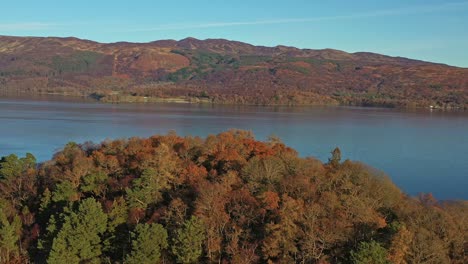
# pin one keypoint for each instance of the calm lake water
(422, 151)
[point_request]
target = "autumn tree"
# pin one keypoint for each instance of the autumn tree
(210, 208)
(400, 245)
(280, 242)
(263, 173)
(71, 164)
(335, 159)
(17, 178)
(157, 175)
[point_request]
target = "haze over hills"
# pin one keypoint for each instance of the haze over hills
(223, 71)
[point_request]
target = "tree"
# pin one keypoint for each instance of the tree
(79, 240)
(17, 179)
(281, 237)
(146, 189)
(400, 245)
(71, 164)
(12, 166)
(188, 241)
(210, 208)
(335, 159)
(262, 173)
(427, 247)
(369, 253)
(175, 214)
(9, 237)
(116, 239)
(148, 242)
(65, 191)
(94, 183)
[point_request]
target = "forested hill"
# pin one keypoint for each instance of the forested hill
(224, 199)
(222, 71)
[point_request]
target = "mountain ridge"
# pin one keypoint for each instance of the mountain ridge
(167, 42)
(225, 71)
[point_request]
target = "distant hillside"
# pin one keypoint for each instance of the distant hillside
(222, 71)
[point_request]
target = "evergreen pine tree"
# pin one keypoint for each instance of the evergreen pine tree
(79, 241)
(188, 241)
(148, 242)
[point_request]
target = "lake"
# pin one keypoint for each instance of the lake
(422, 151)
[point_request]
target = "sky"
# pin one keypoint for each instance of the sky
(431, 30)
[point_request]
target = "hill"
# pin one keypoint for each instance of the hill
(222, 71)
(224, 199)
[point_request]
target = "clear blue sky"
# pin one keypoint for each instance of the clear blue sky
(433, 30)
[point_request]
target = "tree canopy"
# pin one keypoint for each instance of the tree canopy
(226, 198)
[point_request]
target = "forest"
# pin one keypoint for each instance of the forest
(226, 198)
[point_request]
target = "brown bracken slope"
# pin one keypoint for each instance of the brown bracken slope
(222, 71)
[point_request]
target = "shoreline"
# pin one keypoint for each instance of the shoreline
(131, 99)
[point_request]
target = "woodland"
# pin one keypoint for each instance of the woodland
(226, 198)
